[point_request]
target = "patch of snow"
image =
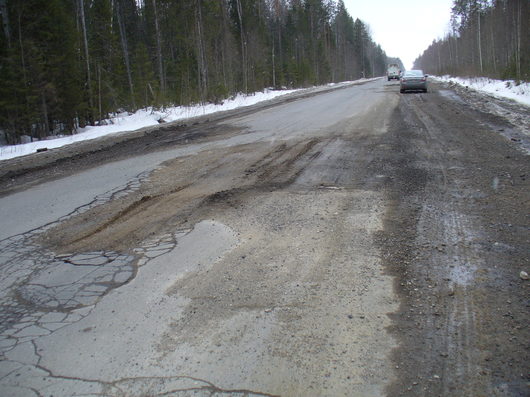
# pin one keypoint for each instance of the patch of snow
(344, 83)
(498, 88)
(123, 122)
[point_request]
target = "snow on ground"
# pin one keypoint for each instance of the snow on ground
(497, 88)
(142, 118)
(149, 117)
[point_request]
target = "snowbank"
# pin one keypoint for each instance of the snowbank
(497, 88)
(149, 117)
(142, 118)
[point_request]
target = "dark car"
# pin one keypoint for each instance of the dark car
(413, 80)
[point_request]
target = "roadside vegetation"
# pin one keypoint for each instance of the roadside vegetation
(67, 64)
(489, 38)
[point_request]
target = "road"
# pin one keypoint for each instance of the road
(348, 242)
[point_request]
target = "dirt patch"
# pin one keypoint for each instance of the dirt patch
(456, 239)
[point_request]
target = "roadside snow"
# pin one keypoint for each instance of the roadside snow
(149, 117)
(497, 88)
(142, 118)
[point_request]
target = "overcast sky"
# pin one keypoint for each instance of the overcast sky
(404, 28)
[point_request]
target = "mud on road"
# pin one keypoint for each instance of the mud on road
(456, 238)
(377, 257)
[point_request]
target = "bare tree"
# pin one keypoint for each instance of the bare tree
(5, 21)
(243, 46)
(159, 51)
(202, 64)
(479, 43)
(518, 11)
(123, 37)
(81, 6)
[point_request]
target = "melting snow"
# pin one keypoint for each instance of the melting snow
(498, 88)
(142, 118)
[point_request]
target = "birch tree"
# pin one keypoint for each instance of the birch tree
(81, 10)
(125, 48)
(5, 22)
(161, 75)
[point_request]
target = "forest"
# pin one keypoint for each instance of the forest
(65, 64)
(488, 38)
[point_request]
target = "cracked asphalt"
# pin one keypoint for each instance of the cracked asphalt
(347, 242)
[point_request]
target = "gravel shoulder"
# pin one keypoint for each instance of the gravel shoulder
(456, 239)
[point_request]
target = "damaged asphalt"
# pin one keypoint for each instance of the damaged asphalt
(355, 242)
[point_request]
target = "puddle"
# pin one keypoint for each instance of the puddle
(462, 274)
(456, 256)
(521, 139)
(449, 94)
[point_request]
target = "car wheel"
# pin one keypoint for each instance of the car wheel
(402, 91)
(425, 90)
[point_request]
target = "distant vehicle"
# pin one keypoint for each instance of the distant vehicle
(392, 72)
(413, 80)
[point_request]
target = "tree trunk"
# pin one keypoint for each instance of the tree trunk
(22, 53)
(479, 45)
(518, 46)
(159, 52)
(99, 92)
(279, 11)
(243, 46)
(123, 36)
(457, 63)
(5, 22)
(224, 47)
(203, 67)
(493, 53)
(45, 117)
(112, 14)
(23, 64)
(87, 59)
(273, 65)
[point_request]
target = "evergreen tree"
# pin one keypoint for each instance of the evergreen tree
(69, 63)
(41, 79)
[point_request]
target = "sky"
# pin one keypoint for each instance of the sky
(403, 28)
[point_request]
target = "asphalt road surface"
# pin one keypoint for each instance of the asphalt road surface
(352, 241)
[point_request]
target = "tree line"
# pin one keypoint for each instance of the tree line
(489, 38)
(66, 64)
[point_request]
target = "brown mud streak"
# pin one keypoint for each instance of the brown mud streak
(99, 231)
(467, 339)
(126, 212)
(282, 168)
(272, 172)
